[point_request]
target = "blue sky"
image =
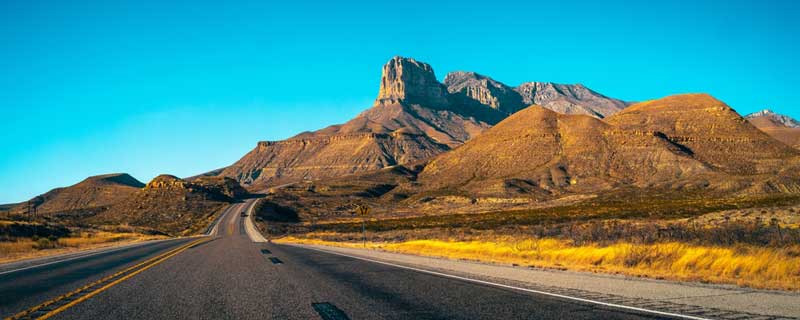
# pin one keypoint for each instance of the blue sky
(146, 87)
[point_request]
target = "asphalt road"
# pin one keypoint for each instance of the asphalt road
(231, 277)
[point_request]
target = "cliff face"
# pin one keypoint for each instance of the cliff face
(409, 81)
(781, 127)
(561, 98)
(569, 99)
(466, 86)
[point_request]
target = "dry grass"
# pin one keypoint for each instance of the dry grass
(744, 265)
(25, 248)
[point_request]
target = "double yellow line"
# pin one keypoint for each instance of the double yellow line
(128, 273)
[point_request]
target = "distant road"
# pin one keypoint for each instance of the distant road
(228, 276)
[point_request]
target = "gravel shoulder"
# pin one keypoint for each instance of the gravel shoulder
(702, 300)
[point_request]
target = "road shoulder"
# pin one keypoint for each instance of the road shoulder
(702, 300)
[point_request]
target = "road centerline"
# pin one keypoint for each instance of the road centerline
(87, 291)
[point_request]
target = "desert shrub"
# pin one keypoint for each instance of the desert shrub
(45, 243)
(270, 211)
(17, 229)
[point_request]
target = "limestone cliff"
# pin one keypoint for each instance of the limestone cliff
(561, 98)
(405, 80)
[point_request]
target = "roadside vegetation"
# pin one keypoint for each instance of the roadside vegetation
(23, 240)
(744, 265)
(746, 242)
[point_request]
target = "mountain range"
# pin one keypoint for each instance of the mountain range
(470, 137)
(414, 118)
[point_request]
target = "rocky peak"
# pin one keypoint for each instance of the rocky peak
(408, 80)
(484, 90)
(569, 99)
(166, 181)
(776, 118)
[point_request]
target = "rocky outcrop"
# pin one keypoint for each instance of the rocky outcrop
(208, 187)
(166, 181)
(405, 80)
(222, 185)
(561, 98)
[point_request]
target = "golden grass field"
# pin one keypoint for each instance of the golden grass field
(25, 248)
(744, 265)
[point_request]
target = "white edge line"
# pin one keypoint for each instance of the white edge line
(614, 305)
(109, 250)
(80, 255)
(250, 229)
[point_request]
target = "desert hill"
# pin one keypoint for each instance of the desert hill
(781, 127)
(542, 153)
(171, 205)
(675, 143)
(166, 204)
(710, 130)
(92, 192)
(414, 118)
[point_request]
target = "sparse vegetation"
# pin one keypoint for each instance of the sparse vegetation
(22, 240)
(680, 239)
(745, 265)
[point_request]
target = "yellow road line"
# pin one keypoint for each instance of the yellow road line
(155, 260)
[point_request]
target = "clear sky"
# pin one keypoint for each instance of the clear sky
(145, 87)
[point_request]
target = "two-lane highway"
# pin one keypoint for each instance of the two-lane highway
(233, 277)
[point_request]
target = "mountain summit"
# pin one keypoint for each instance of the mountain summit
(776, 118)
(781, 127)
(405, 80)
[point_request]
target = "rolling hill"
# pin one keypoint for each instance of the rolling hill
(682, 142)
